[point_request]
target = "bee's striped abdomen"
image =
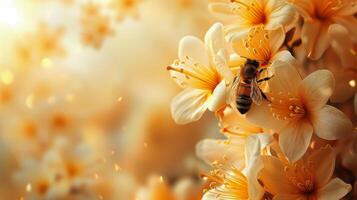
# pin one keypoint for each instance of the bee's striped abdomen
(243, 100)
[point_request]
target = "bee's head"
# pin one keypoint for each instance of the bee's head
(253, 62)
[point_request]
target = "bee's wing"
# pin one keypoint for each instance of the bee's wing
(233, 90)
(256, 93)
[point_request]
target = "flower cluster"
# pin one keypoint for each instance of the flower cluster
(273, 73)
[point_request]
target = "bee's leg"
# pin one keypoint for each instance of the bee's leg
(262, 69)
(265, 79)
(264, 95)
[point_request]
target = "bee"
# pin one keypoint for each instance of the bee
(245, 87)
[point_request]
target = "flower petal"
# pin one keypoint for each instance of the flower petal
(343, 90)
(232, 122)
(273, 176)
(286, 78)
(193, 48)
(316, 89)
(305, 8)
(294, 139)
(285, 56)
(189, 105)
(222, 8)
(214, 38)
(276, 39)
(222, 151)
(261, 116)
(330, 123)
(315, 38)
(323, 164)
(335, 189)
(255, 190)
(218, 98)
(350, 23)
(282, 13)
(342, 45)
(349, 9)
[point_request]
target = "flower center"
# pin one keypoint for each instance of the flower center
(253, 12)
(286, 107)
(257, 44)
(302, 178)
(196, 75)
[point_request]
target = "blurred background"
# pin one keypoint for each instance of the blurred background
(85, 100)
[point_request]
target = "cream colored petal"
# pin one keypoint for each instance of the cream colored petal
(305, 8)
(222, 8)
(221, 151)
(218, 98)
(286, 78)
(316, 89)
(323, 164)
(255, 190)
(349, 9)
(294, 139)
(335, 189)
(254, 144)
(231, 121)
(284, 56)
(222, 62)
(261, 116)
(276, 39)
(214, 39)
(350, 23)
(315, 38)
(274, 178)
(189, 105)
(342, 45)
(281, 14)
(330, 123)
(343, 90)
(236, 32)
(217, 47)
(193, 48)
(289, 197)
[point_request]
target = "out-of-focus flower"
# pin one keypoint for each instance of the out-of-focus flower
(201, 71)
(42, 44)
(349, 153)
(309, 178)
(95, 26)
(318, 18)
(231, 183)
(298, 108)
(246, 14)
(61, 172)
(343, 46)
(125, 8)
(346, 77)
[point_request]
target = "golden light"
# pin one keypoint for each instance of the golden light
(352, 83)
(29, 101)
(28, 187)
(8, 13)
(46, 63)
(7, 77)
